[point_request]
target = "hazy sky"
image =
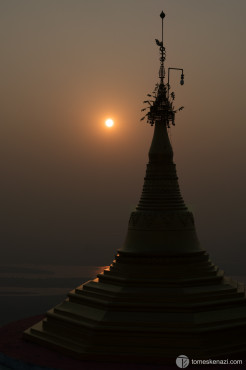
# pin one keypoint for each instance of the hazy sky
(68, 184)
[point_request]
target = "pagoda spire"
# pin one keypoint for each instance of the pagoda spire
(161, 215)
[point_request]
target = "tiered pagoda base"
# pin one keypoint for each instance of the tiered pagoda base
(152, 309)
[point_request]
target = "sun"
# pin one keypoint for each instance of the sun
(109, 122)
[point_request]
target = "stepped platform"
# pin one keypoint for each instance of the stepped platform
(151, 310)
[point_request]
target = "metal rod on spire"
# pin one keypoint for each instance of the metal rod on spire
(162, 49)
(162, 15)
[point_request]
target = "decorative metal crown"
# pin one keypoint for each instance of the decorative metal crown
(160, 108)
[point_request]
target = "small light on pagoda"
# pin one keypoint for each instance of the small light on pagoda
(182, 79)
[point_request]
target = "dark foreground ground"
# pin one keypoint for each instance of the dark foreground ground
(15, 353)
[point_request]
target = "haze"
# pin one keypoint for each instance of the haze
(68, 184)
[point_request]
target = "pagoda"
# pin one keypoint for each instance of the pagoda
(162, 296)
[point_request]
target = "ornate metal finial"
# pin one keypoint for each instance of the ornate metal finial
(162, 51)
(161, 108)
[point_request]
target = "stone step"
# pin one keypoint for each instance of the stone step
(161, 321)
(189, 259)
(174, 303)
(162, 298)
(96, 286)
(169, 273)
(202, 266)
(161, 282)
(151, 207)
(159, 198)
(214, 291)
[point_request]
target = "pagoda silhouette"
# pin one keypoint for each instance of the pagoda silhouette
(162, 296)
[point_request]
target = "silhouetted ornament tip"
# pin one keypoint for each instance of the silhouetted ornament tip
(162, 15)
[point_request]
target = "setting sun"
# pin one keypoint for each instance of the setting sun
(109, 122)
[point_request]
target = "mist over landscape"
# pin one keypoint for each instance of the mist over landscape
(68, 184)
